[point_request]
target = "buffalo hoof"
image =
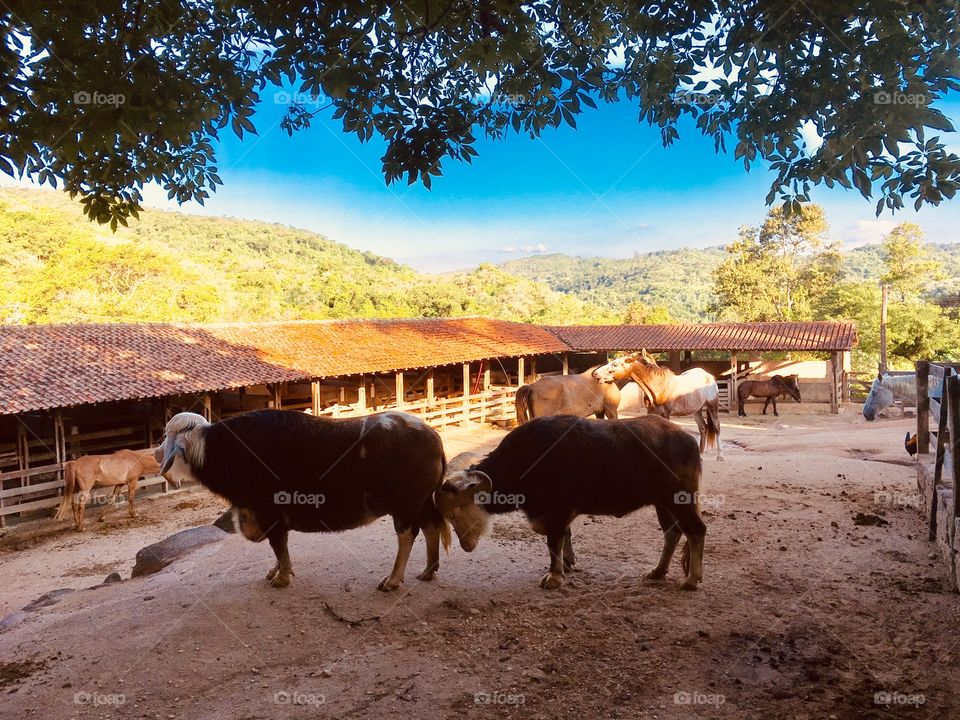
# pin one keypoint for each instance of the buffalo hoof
(688, 585)
(388, 584)
(427, 575)
(551, 581)
(133, 515)
(279, 578)
(655, 575)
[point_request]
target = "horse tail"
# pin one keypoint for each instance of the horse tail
(69, 487)
(712, 408)
(524, 404)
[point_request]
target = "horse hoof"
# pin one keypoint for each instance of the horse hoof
(689, 585)
(388, 584)
(551, 581)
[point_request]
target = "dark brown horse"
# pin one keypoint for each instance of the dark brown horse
(769, 389)
(579, 395)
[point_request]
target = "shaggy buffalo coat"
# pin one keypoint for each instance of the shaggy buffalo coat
(556, 468)
(285, 470)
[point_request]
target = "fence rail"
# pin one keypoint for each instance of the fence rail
(41, 487)
(938, 431)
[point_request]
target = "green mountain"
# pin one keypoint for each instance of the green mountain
(57, 267)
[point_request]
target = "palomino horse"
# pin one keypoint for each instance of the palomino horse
(886, 389)
(124, 467)
(579, 395)
(693, 392)
(769, 389)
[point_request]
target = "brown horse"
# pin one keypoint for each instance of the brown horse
(124, 467)
(579, 395)
(769, 389)
(693, 392)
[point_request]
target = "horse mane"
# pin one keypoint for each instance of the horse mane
(899, 384)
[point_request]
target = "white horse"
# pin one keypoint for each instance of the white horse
(888, 388)
(694, 392)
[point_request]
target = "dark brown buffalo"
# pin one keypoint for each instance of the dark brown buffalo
(556, 468)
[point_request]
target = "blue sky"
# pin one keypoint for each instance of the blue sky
(608, 188)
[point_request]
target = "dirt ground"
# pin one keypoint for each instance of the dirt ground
(803, 614)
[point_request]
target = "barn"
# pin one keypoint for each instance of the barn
(72, 390)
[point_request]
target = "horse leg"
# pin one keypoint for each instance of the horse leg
(671, 536)
(741, 399)
(131, 494)
(702, 427)
(80, 506)
(108, 506)
(766, 404)
(774, 399)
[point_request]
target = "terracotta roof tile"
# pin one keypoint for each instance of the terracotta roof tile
(47, 366)
(759, 337)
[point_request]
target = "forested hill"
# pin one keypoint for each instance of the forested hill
(57, 267)
(681, 280)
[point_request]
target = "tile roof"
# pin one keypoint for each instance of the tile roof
(47, 366)
(758, 336)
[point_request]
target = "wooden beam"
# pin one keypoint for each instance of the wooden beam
(732, 402)
(533, 369)
(466, 394)
(315, 395)
(400, 391)
(430, 391)
(835, 383)
(520, 372)
(566, 363)
(362, 395)
(923, 406)
(675, 361)
(486, 377)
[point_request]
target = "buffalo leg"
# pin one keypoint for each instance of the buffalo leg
(569, 557)
(690, 522)
(671, 536)
(279, 576)
(432, 523)
(554, 578)
(405, 537)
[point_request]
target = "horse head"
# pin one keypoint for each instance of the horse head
(789, 382)
(879, 399)
(617, 370)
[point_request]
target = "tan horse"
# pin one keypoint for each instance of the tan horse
(693, 392)
(580, 395)
(124, 467)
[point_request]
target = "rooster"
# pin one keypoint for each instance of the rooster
(910, 443)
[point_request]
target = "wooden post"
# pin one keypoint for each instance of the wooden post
(277, 395)
(373, 392)
(566, 363)
(923, 406)
(362, 396)
(533, 369)
(952, 398)
(430, 391)
(835, 383)
(845, 376)
(884, 291)
(208, 407)
(466, 394)
(732, 386)
(400, 391)
(675, 361)
(520, 373)
(315, 394)
(487, 384)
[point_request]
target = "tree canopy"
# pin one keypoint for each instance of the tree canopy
(101, 98)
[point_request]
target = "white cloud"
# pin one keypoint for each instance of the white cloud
(865, 232)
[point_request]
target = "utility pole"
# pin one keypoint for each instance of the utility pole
(884, 290)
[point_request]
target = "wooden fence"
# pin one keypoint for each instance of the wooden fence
(938, 455)
(41, 487)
